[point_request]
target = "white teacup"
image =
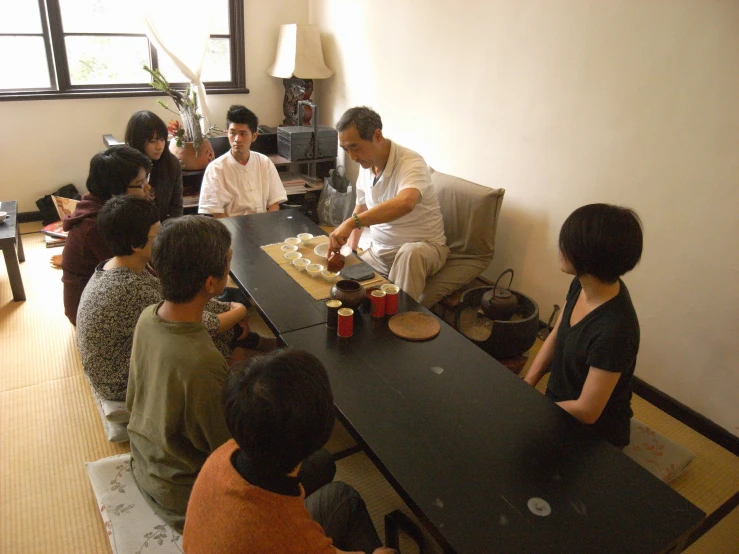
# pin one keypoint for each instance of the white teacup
(329, 276)
(295, 241)
(305, 237)
(314, 270)
(289, 248)
(301, 263)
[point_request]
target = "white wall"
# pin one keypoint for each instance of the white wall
(49, 143)
(567, 102)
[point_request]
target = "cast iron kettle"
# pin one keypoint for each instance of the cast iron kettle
(500, 304)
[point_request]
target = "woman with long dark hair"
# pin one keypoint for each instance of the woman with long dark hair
(147, 133)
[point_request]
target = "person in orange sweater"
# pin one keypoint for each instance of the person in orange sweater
(248, 497)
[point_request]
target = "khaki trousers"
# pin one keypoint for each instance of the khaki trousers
(407, 266)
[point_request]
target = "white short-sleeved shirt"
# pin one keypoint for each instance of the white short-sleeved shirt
(405, 169)
(234, 189)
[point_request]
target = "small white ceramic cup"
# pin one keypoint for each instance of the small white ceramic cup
(329, 276)
(289, 248)
(314, 270)
(305, 237)
(295, 241)
(301, 263)
(293, 255)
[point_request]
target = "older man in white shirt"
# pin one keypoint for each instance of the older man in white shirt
(241, 182)
(396, 200)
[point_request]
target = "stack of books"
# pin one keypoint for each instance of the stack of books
(54, 234)
(190, 197)
(298, 183)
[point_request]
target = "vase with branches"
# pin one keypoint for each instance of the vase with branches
(187, 108)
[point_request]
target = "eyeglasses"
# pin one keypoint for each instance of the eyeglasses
(146, 182)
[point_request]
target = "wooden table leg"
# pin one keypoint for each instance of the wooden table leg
(19, 243)
(14, 270)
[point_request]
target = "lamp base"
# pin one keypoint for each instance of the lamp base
(296, 89)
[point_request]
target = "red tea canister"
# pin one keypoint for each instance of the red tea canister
(332, 313)
(377, 303)
(346, 322)
(391, 298)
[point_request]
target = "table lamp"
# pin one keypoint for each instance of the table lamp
(299, 60)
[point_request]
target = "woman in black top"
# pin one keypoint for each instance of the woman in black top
(592, 349)
(147, 133)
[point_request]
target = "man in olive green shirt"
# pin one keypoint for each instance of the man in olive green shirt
(173, 429)
(177, 373)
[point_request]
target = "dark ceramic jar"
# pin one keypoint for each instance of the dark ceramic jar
(350, 292)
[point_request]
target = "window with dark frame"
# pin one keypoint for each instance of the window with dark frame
(97, 48)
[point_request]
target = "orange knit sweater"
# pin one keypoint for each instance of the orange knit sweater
(226, 514)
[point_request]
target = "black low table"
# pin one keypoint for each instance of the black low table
(486, 461)
(10, 240)
(285, 305)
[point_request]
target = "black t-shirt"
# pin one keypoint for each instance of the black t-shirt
(607, 338)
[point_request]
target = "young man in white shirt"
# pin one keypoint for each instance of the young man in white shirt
(396, 200)
(241, 182)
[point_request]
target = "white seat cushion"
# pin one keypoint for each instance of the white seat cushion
(131, 523)
(656, 453)
(113, 415)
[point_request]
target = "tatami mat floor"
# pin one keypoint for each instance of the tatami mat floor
(49, 428)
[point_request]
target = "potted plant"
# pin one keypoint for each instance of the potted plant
(190, 144)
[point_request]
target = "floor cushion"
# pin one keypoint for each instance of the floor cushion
(131, 524)
(113, 415)
(656, 453)
(470, 213)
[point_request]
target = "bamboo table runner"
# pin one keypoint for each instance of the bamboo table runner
(317, 287)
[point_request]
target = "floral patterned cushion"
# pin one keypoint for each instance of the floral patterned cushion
(132, 525)
(656, 453)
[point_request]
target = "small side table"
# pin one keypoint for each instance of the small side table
(10, 239)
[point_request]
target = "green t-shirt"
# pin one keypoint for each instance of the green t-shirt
(174, 397)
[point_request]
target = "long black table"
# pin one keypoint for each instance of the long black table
(285, 305)
(485, 461)
(471, 447)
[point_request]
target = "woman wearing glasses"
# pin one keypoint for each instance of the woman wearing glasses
(119, 170)
(147, 133)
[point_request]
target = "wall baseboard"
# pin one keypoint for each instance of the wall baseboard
(712, 519)
(25, 217)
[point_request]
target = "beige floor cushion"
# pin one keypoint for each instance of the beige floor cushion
(113, 415)
(131, 524)
(470, 213)
(656, 453)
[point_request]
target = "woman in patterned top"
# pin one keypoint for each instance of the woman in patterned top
(122, 287)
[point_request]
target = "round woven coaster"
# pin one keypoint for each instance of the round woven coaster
(414, 326)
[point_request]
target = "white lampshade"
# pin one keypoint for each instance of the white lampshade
(299, 53)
